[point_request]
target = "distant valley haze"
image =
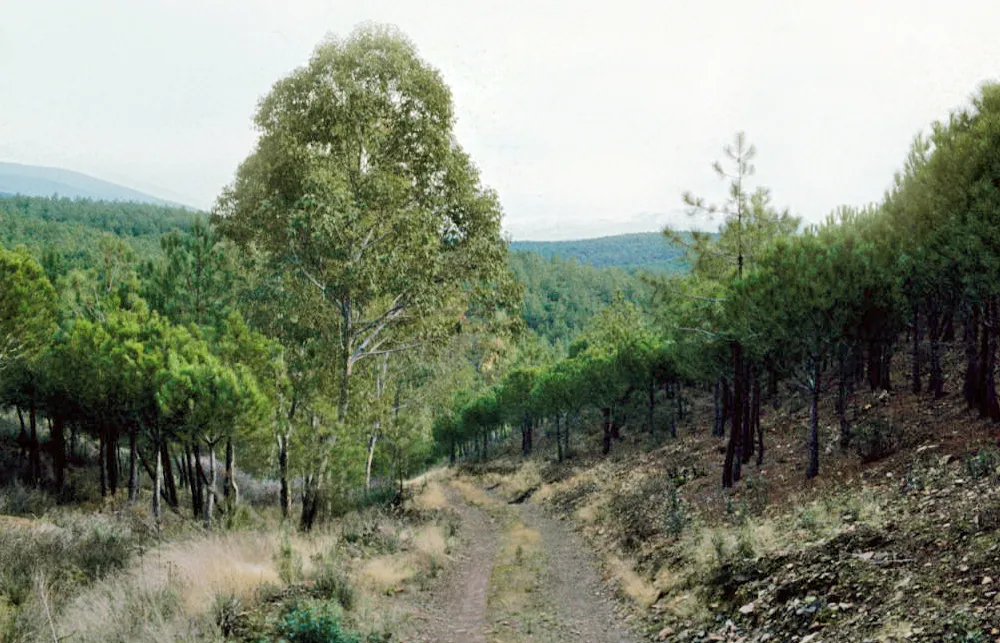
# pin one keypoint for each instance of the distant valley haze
(588, 119)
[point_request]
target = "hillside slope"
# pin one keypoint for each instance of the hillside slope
(33, 180)
(902, 547)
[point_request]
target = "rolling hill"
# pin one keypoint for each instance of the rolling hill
(32, 180)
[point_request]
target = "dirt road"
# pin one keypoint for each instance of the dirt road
(520, 577)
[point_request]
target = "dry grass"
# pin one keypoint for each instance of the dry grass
(431, 497)
(387, 573)
(642, 592)
(471, 493)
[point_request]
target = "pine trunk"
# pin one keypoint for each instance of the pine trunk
(168, 474)
(35, 454)
(606, 441)
(133, 465)
(917, 383)
(232, 491)
(812, 470)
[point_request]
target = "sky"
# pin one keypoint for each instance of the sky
(587, 117)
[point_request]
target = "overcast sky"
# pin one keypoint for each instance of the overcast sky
(588, 118)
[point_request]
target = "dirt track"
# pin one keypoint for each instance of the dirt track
(519, 576)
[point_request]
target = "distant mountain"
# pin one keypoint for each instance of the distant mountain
(642, 250)
(32, 180)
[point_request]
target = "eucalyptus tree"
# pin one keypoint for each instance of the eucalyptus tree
(358, 188)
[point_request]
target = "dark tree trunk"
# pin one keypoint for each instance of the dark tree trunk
(748, 422)
(451, 455)
(812, 469)
(875, 365)
(157, 478)
(310, 503)
(936, 382)
(606, 443)
(285, 497)
(917, 383)
(133, 464)
(718, 427)
(198, 492)
(231, 491)
(486, 441)
(35, 453)
(566, 453)
(559, 449)
(756, 421)
(843, 382)
(651, 404)
(102, 446)
(971, 337)
(58, 441)
(23, 440)
(948, 332)
(111, 455)
(990, 331)
(615, 426)
(731, 472)
(168, 475)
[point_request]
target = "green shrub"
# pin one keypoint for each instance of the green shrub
(288, 561)
(982, 464)
(313, 623)
(21, 500)
(332, 582)
(876, 439)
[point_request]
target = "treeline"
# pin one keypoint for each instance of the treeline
(309, 331)
(825, 309)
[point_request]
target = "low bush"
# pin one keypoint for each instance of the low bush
(876, 439)
(309, 622)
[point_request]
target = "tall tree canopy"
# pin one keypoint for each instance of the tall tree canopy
(358, 187)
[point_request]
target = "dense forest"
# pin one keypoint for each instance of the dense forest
(632, 252)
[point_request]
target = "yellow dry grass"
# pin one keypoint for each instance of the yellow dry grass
(430, 541)
(641, 591)
(386, 573)
(431, 497)
(471, 493)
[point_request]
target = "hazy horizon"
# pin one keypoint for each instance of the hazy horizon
(588, 119)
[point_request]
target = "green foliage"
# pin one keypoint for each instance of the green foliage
(638, 251)
(310, 622)
(560, 296)
(875, 439)
(27, 308)
(67, 233)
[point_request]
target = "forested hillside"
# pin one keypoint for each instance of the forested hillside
(636, 251)
(773, 432)
(69, 233)
(562, 296)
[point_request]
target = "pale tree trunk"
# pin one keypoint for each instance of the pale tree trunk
(210, 486)
(372, 439)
